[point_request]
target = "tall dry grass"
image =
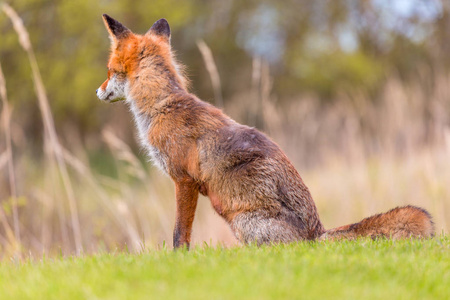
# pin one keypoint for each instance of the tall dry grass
(13, 239)
(358, 157)
(52, 145)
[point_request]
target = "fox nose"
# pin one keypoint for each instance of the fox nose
(96, 91)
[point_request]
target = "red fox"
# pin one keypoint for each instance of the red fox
(249, 180)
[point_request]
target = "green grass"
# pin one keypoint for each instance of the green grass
(361, 269)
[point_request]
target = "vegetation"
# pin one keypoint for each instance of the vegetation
(355, 92)
(411, 269)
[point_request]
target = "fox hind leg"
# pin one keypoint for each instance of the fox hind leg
(261, 228)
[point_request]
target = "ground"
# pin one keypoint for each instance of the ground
(363, 269)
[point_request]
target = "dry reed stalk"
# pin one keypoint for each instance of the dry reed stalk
(6, 116)
(256, 73)
(122, 151)
(256, 83)
(272, 117)
(105, 200)
(54, 145)
(212, 70)
(46, 230)
(3, 160)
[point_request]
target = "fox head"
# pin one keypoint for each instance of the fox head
(146, 59)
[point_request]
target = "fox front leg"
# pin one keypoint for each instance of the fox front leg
(186, 196)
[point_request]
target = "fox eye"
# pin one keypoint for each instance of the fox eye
(117, 73)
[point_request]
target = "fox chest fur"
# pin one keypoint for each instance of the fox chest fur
(143, 123)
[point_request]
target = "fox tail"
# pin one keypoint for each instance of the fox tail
(400, 222)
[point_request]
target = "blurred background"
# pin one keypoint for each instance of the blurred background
(357, 93)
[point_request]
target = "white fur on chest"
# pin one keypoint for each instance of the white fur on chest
(143, 124)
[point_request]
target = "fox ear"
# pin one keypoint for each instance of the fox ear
(161, 27)
(115, 28)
